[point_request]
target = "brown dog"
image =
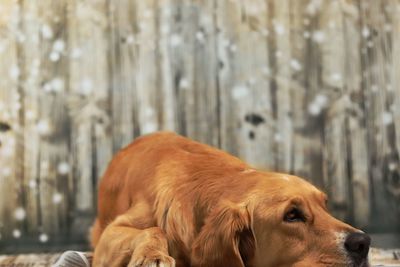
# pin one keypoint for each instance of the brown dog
(167, 201)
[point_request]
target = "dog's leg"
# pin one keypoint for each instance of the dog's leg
(123, 245)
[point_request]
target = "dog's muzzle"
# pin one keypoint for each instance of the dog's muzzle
(357, 246)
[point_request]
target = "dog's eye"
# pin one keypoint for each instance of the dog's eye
(294, 215)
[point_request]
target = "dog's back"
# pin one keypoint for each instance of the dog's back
(159, 162)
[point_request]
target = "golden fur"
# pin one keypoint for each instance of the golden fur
(168, 200)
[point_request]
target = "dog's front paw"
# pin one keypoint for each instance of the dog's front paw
(151, 259)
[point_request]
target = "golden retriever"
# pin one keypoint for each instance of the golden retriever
(166, 200)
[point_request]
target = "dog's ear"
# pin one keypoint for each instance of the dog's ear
(226, 239)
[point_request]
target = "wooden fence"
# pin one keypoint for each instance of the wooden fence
(310, 87)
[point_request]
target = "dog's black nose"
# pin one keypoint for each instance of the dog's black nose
(357, 244)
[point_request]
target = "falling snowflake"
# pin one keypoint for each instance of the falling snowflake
(332, 25)
(206, 21)
(176, 40)
(387, 118)
(148, 112)
(8, 147)
(6, 115)
(225, 43)
(306, 34)
(365, 32)
(165, 29)
(184, 84)
(76, 53)
(57, 84)
(54, 56)
(336, 77)
(43, 127)
(313, 7)
(148, 13)
(14, 72)
(43, 238)
(57, 198)
(167, 11)
(47, 87)
(6, 171)
(233, 48)
(278, 137)
(19, 214)
(264, 32)
(318, 104)
(63, 168)
(86, 86)
(314, 109)
(149, 127)
(252, 81)
(34, 72)
(16, 233)
(374, 88)
(44, 166)
(32, 184)
(321, 100)
(279, 29)
(130, 39)
(252, 9)
(59, 46)
(47, 32)
(318, 36)
(392, 166)
(21, 37)
(200, 36)
(295, 64)
(240, 91)
(266, 70)
(17, 106)
(387, 27)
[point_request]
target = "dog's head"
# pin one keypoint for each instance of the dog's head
(284, 221)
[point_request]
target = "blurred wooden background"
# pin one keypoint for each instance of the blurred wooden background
(310, 87)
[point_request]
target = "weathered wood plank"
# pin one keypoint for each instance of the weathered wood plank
(148, 97)
(31, 27)
(356, 133)
(195, 70)
(284, 128)
(378, 117)
(300, 163)
(393, 10)
(167, 81)
(121, 57)
(89, 104)
(246, 115)
(315, 98)
(52, 121)
(333, 71)
(394, 75)
(12, 210)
